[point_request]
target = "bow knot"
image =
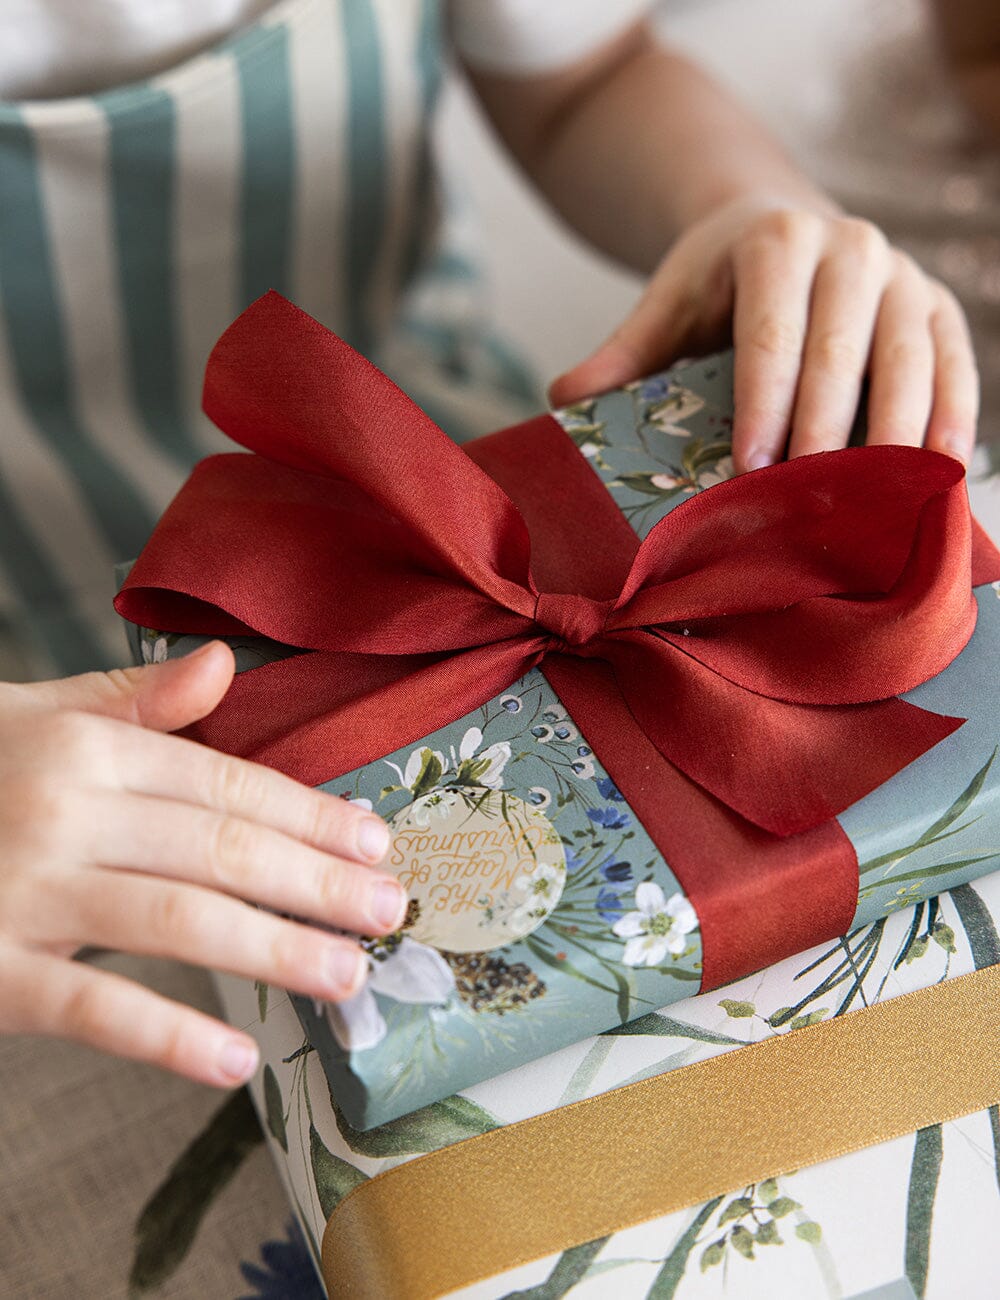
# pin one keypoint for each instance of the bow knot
(574, 620)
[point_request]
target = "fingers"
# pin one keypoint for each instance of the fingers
(774, 272)
(172, 768)
(160, 918)
(64, 999)
(955, 408)
(902, 364)
(55, 753)
(847, 289)
(820, 302)
(237, 857)
(164, 697)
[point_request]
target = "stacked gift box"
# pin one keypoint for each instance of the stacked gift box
(557, 834)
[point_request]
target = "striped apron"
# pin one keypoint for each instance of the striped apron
(137, 222)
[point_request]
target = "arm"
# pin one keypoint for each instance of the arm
(644, 155)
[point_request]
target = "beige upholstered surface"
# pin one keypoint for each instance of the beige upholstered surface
(85, 1140)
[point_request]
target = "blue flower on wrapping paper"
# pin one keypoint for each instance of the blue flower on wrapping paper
(609, 905)
(539, 797)
(615, 873)
(573, 859)
(658, 926)
(511, 703)
(612, 819)
(654, 389)
(607, 789)
(286, 1272)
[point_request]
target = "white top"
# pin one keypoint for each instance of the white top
(54, 48)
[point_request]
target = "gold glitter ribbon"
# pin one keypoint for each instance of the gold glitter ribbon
(527, 1190)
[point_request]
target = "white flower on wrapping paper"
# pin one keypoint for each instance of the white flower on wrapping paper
(680, 404)
(539, 797)
(721, 471)
(996, 589)
(438, 803)
(154, 652)
(670, 482)
(366, 804)
(582, 768)
(485, 768)
(543, 888)
(411, 972)
(589, 449)
(659, 926)
(420, 763)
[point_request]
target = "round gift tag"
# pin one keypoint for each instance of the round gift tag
(485, 870)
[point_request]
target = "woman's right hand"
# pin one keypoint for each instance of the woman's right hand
(116, 835)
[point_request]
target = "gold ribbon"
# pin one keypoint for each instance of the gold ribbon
(491, 1203)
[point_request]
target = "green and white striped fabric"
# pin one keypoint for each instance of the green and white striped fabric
(136, 223)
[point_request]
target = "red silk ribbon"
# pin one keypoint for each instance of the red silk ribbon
(735, 672)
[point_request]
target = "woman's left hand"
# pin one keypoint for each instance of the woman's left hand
(813, 302)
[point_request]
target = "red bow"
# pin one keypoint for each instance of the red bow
(734, 672)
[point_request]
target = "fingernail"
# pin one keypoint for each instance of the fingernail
(344, 967)
(238, 1060)
(373, 838)
(759, 460)
(388, 905)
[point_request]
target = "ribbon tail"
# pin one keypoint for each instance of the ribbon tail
(737, 876)
(317, 716)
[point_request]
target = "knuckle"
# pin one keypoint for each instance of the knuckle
(787, 225)
(906, 269)
(171, 1044)
(175, 922)
(323, 819)
(70, 737)
(235, 784)
(836, 355)
(777, 336)
(37, 812)
(289, 951)
(332, 892)
(84, 1014)
(862, 238)
(232, 849)
(907, 354)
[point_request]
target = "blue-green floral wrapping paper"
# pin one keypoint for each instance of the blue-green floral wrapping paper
(513, 838)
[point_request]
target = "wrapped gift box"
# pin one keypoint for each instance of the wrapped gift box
(542, 909)
(914, 1216)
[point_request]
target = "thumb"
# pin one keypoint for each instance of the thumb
(163, 697)
(648, 339)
